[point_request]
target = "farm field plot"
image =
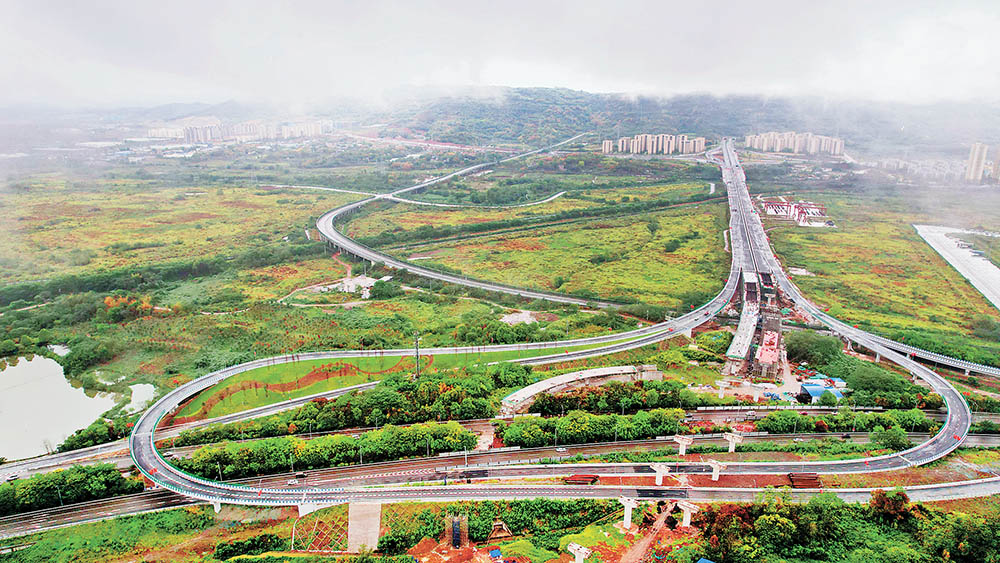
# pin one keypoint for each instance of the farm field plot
(874, 269)
(672, 258)
(53, 228)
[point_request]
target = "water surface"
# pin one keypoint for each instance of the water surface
(39, 408)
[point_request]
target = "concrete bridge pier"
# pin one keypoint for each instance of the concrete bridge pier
(688, 509)
(364, 519)
(733, 439)
(661, 470)
(579, 552)
(682, 443)
(878, 357)
(307, 508)
(217, 506)
(966, 371)
(717, 466)
(630, 504)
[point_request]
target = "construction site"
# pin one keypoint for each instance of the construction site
(802, 213)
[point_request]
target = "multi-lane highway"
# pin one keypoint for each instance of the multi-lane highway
(495, 465)
(959, 417)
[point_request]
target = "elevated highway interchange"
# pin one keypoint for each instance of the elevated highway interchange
(750, 252)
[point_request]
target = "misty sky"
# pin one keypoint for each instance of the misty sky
(113, 53)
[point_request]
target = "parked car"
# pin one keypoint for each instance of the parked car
(293, 481)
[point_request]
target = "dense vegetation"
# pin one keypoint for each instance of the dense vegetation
(79, 483)
(275, 455)
(619, 397)
(397, 399)
(100, 431)
(250, 546)
(114, 538)
(579, 427)
(846, 420)
(889, 529)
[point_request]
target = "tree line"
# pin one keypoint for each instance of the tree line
(579, 427)
(79, 483)
(233, 460)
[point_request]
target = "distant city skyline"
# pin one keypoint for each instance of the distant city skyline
(118, 53)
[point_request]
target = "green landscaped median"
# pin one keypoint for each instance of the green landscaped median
(281, 382)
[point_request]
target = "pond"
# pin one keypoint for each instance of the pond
(39, 408)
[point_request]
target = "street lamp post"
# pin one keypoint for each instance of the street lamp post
(416, 346)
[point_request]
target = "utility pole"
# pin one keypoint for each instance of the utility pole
(219, 464)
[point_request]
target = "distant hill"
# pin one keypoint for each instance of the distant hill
(537, 115)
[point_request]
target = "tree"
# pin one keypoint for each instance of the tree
(776, 533)
(386, 290)
(892, 438)
(892, 507)
(817, 349)
(828, 399)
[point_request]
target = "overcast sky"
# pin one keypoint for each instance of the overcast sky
(134, 52)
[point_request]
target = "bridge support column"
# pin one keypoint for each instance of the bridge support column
(717, 466)
(966, 371)
(661, 469)
(688, 509)
(629, 504)
(687, 333)
(733, 439)
(878, 357)
(363, 523)
(306, 508)
(579, 552)
(682, 443)
(217, 506)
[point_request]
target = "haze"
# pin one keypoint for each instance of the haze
(114, 53)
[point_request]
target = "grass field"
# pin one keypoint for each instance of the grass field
(54, 228)
(874, 268)
(631, 257)
(343, 373)
(406, 216)
(402, 216)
